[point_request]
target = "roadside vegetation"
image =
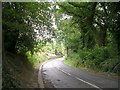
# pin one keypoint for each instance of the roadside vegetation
(26, 42)
(86, 33)
(91, 35)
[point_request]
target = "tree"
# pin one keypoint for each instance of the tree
(91, 33)
(23, 23)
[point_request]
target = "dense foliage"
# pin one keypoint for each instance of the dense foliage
(25, 27)
(91, 34)
(23, 23)
(88, 33)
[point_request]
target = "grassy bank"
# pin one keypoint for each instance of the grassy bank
(37, 58)
(22, 71)
(99, 60)
(17, 72)
(96, 71)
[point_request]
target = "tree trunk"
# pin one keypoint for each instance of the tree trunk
(102, 37)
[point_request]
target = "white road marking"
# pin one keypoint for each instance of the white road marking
(79, 79)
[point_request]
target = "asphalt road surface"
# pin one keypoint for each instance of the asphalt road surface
(63, 76)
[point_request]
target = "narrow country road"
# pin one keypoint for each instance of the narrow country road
(63, 76)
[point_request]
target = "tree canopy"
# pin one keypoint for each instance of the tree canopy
(88, 31)
(23, 23)
(91, 33)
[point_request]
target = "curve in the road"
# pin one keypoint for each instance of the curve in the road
(63, 76)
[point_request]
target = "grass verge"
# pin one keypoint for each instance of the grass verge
(73, 64)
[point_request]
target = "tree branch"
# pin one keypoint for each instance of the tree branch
(69, 12)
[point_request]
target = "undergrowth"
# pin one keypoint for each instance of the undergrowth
(102, 59)
(36, 58)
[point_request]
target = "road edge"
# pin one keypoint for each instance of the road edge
(40, 77)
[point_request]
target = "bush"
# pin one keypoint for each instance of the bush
(36, 58)
(99, 58)
(73, 59)
(111, 65)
